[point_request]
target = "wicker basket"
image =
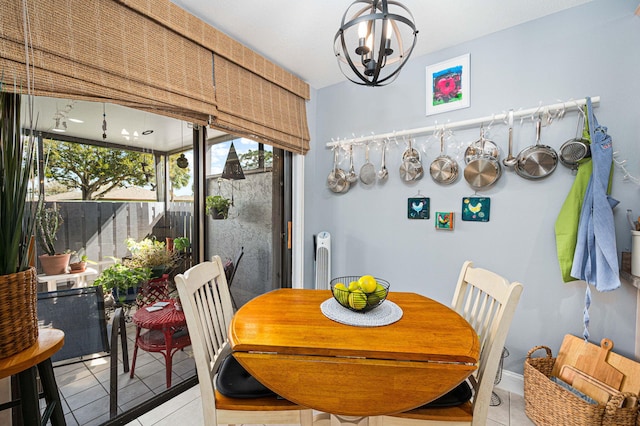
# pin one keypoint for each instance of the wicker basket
(547, 403)
(18, 312)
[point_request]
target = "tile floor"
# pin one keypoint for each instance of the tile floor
(84, 391)
(186, 409)
(84, 386)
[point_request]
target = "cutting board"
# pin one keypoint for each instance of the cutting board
(598, 367)
(572, 347)
(596, 389)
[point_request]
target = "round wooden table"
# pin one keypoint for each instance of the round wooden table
(284, 340)
(24, 364)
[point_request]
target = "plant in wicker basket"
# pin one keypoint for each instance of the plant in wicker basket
(18, 285)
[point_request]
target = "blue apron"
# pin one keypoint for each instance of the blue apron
(596, 257)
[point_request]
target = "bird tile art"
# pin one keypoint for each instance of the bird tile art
(418, 208)
(476, 209)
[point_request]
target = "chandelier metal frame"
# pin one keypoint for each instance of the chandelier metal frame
(378, 63)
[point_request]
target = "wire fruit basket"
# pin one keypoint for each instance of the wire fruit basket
(359, 293)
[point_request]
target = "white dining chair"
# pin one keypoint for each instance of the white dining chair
(488, 302)
(206, 301)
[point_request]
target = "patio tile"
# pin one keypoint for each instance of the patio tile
(94, 410)
(64, 378)
(131, 392)
(79, 385)
(85, 397)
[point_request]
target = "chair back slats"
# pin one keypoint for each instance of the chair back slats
(488, 302)
(207, 306)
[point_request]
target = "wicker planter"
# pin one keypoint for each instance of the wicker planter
(18, 314)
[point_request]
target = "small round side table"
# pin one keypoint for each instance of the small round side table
(24, 364)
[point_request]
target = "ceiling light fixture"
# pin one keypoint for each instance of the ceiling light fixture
(375, 33)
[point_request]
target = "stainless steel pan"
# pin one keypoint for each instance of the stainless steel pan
(482, 169)
(536, 161)
(444, 169)
(411, 167)
(337, 179)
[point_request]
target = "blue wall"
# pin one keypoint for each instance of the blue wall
(590, 50)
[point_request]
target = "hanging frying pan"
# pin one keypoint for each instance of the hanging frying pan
(536, 161)
(411, 167)
(337, 179)
(482, 170)
(481, 147)
(444, 169)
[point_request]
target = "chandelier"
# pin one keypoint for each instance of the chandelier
(375, 40)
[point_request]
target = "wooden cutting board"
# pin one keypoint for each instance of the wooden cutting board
(597, 390)
(573, 347)
(598, 367)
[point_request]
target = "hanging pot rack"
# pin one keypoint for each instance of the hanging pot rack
(560, 108)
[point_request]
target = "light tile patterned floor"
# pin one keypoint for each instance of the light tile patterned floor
(186, 409)
(84, 386)
(85, 398)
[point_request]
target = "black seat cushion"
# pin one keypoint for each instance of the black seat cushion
(459, 395)
(236, 382)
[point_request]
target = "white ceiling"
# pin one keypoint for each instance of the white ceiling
(298, 36)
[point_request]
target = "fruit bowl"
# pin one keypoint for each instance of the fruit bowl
(359, 293)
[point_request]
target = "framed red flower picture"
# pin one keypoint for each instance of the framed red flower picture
(448, 85)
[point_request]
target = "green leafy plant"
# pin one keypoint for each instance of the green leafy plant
(16, 167)
(219, 203)
(181, 243)
(150, 253)
(49, 221)
(120, 277)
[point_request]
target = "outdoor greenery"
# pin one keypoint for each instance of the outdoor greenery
(121, 277)
(96, 170)
(150, 253)
(181, 243)
(179, 177)
(49, 221)
(219, 203)
(16, 167)
(250, 160)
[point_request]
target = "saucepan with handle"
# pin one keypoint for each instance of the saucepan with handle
(536, 161)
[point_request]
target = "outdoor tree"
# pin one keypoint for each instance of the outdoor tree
(96, 170)
(250, 160)
(178, 176)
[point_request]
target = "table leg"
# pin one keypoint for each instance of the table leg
(29, 396)
(168, 343)
(135, 353)
(51, 393)
(326, 419)
(51, 285)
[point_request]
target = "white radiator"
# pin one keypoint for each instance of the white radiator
(323, 260)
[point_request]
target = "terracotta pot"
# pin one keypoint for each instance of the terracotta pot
(56, 264)
(78, 267)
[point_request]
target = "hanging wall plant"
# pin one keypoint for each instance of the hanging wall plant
(218, 206)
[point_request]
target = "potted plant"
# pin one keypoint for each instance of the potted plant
(78, 261)
(18, 284)
(217, 206)
(49, 221)
(150, 253)
(181, 244)
(118, 278)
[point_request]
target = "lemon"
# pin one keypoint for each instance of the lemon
(373, 299)
(357, 300)
(368, 283)
(340, 286)
(353, 286)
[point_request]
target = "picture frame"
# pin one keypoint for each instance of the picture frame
(476, 209)
(448, 87)
(444, 221)
(418, 208)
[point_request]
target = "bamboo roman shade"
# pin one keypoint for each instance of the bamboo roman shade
(152, 55)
